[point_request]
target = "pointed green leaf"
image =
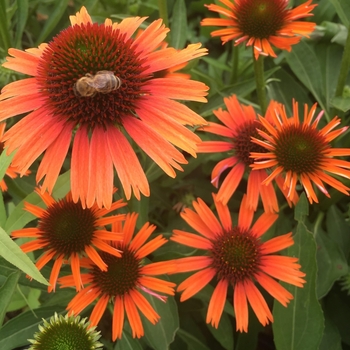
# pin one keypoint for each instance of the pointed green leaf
(300, 325)
(128, 343)
(10, 251)
(301, 209)
(331, 263)
(6, 292)
(192, 342)
(343, 10)
(331, 338)
(5, 161)
(305, 65)
(22, 15)
(341, 103)
(162, 334)
(179, 25)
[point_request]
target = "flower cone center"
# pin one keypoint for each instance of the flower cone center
(67, 228)
(300, 149)
(64, 336)
(236, 255)
(121, 276)
(242, 143)
(261, 18)
(82, 51)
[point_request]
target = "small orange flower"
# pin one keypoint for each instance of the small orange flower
(11, 171)
(129, 99)
(67, 231)
(240, 125)
(238, 258)
(124, 278)
(300, 151)
(261, 23)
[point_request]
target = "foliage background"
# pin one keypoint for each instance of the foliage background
(319, 315)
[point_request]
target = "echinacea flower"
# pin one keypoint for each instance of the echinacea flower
(240, 125)
(123, 280)
(96, 83)
(67, 231)
(68, 333)
(261, 23)
(297, 150)
(235, 256)
(11, 171)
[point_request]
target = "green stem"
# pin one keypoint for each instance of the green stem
(344, 67)
(235, 59)
(260, 83)
(163, 11)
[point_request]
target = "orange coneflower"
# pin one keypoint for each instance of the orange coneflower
(122, 281)
(65, 99)
(261, 23)
(11, 171)
(240, 124)
(300, 151)
(237, 257)
(67, 231)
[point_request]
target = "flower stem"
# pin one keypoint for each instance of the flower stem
(235, 59)
(163, 11)
(260, 83)
(344, 68)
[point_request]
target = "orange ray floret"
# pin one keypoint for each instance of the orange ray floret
(125, 280)
(261, 23)
(239, 259)
(66, 232)
(137, 99)
(299, 151)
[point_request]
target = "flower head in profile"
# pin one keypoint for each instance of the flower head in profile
(126, 276)
(67, 232)
(236, 256)
(240, 125)
(261, 23)
(11, 171)
(298, 150)
(68, 332)
(98, 84)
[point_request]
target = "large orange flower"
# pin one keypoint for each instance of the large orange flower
(261, 23)
(66, 99)
(66, 232)
(237, 257)
(240, 125)
(124, 278)
(299, 151)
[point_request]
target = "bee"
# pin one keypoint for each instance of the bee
(103, 81)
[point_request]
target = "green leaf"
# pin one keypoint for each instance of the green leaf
(5, 161)
(343, 10)
(55, 16)
(5, 42)
(192, 342)
(6, 292)
(331, 338)
(301, 324)
(338, 229)
(162, 334)
(301, 209)
(331, 263)
(179, 25)
(223, 334)
(10, 251)
(341, 103)
(128, 343)
(2, 210)
(16, 331)
(22, 15)
(305, 65)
